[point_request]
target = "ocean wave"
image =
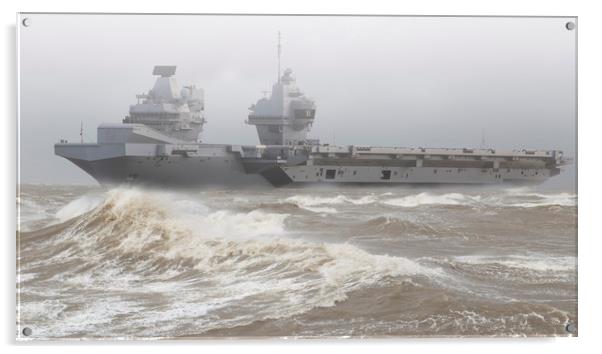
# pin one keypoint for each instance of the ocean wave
(291, 207)
(321, 210)
(514, 269)
(134, 238)
(317, 204)
(393, 226)
(534, 262)
(512, 198)
(517, 197)
(33, 213)
(533, 200)
(527, 200)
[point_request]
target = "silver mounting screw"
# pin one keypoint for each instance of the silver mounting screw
(571, 328)
(570, 25)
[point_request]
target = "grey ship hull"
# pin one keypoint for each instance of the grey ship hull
(176, 172)
(181, 172)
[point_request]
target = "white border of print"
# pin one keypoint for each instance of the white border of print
(590, 242)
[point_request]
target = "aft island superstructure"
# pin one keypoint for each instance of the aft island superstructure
(159, 143)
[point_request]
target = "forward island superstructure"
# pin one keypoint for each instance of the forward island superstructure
(159, 143)
(169, 109)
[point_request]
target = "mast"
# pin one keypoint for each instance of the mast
(81, 131)
(286, 116)
(483, 144)
(279, 51)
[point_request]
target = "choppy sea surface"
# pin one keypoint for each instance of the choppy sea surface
(301, 262)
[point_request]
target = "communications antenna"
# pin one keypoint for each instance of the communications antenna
(483, 143)
(279, 51)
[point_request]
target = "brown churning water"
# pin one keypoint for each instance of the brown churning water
(134, 263)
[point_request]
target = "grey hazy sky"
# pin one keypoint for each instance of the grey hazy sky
(388, 81)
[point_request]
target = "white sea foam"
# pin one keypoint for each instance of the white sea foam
(309, 200)
(244, 257)
(95, 318)
(416, 200)
(538, 200)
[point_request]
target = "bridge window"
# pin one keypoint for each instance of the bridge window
(385, 174)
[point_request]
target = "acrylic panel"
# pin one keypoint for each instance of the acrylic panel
(200, 176)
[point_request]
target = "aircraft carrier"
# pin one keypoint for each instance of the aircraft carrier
(159, 144)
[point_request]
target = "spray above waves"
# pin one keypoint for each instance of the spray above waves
(78, 207)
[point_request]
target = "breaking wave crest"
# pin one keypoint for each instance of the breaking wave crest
(510, 198)
(227, 268)
(317, 204)
(78, 207)
(308, 200)
(534, 262)
(529, 268)
(420, 199)
(533, 200)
